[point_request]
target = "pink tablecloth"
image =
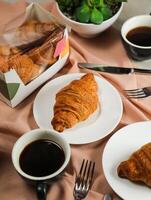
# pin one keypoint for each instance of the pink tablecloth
(106, 48)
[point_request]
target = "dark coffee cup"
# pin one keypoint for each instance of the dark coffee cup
(40, 157)
(136, 37)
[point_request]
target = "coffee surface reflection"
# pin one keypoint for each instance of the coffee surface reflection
(41, 158)
(140, 36)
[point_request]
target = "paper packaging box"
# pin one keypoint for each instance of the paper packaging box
(12, 88)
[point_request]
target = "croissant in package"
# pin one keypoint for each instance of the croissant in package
(44, 55)
(35, 51)
(31, 31)
(75, 102)
(24, 67)
(138, 167)
(4, 67)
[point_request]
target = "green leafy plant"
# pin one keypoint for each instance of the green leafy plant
(89, 11)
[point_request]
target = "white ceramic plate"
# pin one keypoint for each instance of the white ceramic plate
(119, 147)
(97, 126)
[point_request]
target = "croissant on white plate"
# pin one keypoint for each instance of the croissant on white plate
(75, 102)
(138, 167)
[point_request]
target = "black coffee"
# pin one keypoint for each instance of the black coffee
(140, 36)
(41, 158)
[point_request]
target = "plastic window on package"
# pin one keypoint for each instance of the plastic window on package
(29, 49)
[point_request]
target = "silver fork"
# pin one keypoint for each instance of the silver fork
(139, 93)
(84, 180)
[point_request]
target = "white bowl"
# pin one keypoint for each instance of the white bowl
(87, 30)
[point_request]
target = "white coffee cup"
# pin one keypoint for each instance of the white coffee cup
(26, 139)
(137, 52)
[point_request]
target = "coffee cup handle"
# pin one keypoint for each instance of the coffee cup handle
(42, 189)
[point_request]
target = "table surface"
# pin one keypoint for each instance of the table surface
(106, 48)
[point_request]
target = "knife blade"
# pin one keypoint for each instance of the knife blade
(113, 69)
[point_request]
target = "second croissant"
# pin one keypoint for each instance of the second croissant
(138, 167)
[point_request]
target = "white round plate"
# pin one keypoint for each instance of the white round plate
(119, 147)
(97, 126)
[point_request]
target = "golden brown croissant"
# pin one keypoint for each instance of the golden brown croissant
(4, 67)
(37, 27)
(75, 103)
(25, 67)
(44, 55)
(6, 51)
(138, 167)
(32, 30)
(36, 53)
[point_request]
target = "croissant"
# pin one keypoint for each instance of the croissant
(37, 27)
(4, 67)
(75, 103)
(138, 167)
(33, 30)
(6, 51)
(44, 55)
(41, 39)
(25, 67)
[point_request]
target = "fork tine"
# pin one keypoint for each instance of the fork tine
(84, 179)
(92, 172)
(136, 93)
(83, 175)
(137, 96)
(134, 90)
(88, 172)
(85, 169)
(81, 167)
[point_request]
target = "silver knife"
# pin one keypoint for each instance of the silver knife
(113, 69)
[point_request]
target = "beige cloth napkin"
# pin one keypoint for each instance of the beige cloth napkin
(106, 48)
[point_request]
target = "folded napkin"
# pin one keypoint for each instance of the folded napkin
(106, 48)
